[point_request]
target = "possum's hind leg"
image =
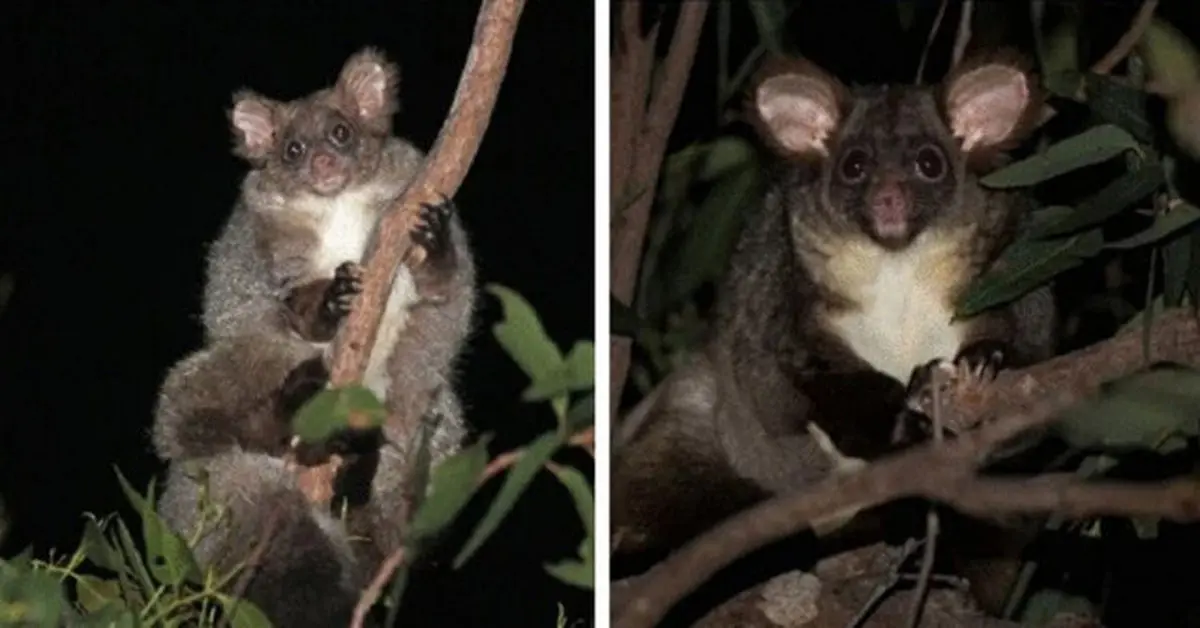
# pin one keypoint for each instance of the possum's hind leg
(304, 575)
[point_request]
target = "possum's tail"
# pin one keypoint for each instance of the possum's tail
(298, 565)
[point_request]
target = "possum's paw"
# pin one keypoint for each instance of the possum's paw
(432, 232)
(340, 295)
(976, 364)
(301, 384)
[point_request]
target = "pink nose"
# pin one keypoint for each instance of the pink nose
(890, 203)
(322, 163)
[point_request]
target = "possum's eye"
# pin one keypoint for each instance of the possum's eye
(292, 151)
(931, 165)
(854, 165)
(340, 134)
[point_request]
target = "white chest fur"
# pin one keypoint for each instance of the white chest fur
(346, 223)
(903, 313)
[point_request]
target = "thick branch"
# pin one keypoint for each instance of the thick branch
(946, 472)
(443, 172)
(640, 133)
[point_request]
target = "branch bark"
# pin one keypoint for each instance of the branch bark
(443, 173)
(638, 135)
(1014, 403)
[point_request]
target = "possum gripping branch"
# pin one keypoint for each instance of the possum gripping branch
(443, 173)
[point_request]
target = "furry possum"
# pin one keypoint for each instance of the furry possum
(281, 276)
(839, 297)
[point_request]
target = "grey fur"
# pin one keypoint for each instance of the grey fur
(219, 406)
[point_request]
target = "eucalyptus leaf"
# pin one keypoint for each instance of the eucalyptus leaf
(906, 13)
(1045, 604)
(31, 598)
(1097, 144)
(581, 366)
(170, 560)
(452, 484)
(332, 410)
(579, 573)
(243, 613)
(108, 617)
(518, 478)
(1138, 411)
(1121, 104)
(1112, 199)
(522, 336)
(1169, 54)
(1176, 257)
(1025, 266)
(1165, 225)
(133, 558)
(97, 547)
(582, 414)
(95, 593)
(724, 156)
(710, 238)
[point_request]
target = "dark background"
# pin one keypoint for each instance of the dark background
(115, 129)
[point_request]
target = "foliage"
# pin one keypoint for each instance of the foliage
(111, 579)
(1109, 179)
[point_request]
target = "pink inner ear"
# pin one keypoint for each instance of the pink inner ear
(368, 87)
(253, 120)
(799, 110)
(986, 105)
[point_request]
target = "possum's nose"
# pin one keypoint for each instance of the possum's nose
(322, 165)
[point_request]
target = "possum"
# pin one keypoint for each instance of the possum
(281, 276)
(840, 294)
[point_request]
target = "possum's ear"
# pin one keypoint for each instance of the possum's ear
(253, 121)
(796, 106)
(991, 102)
(368, 87)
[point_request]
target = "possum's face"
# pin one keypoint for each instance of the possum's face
(327, 142)
(893, 166)
(892, 161)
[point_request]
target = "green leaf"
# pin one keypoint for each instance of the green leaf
(522, 336)
(1145, 527)
(1176, 266)
(581, 366)
(452, 483)
(579, 573)
(1137, 411)
(133, 559)
(582, 414)
(1061, 51)
(769, 16)
(1026, 266)
(1109, 201)
(1164, 225)
(396, 592)
(243, 613)
(1097, 144)
(1045, 604)
(332, 410)
(33, 598)
(515, 482)
(1170, 56)
(1120, 104)
(109, 617)
(710, 238)
(97, 547)
(170, 559)
(96, 593)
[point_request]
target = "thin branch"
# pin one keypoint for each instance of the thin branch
(1120, 50)
(937, 24)
(963, 36)
(372, 592)
(638, 158)
(1125, 44)
(1020, 401)
(443, 172)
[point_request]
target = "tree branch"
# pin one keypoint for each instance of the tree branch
(639, 133)
(946, 472)
(443, 172)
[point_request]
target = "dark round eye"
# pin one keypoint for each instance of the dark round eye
(854, 165)
(293, 151)
(340, 133)
(931, 165)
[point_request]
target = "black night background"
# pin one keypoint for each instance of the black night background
(121, 173)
